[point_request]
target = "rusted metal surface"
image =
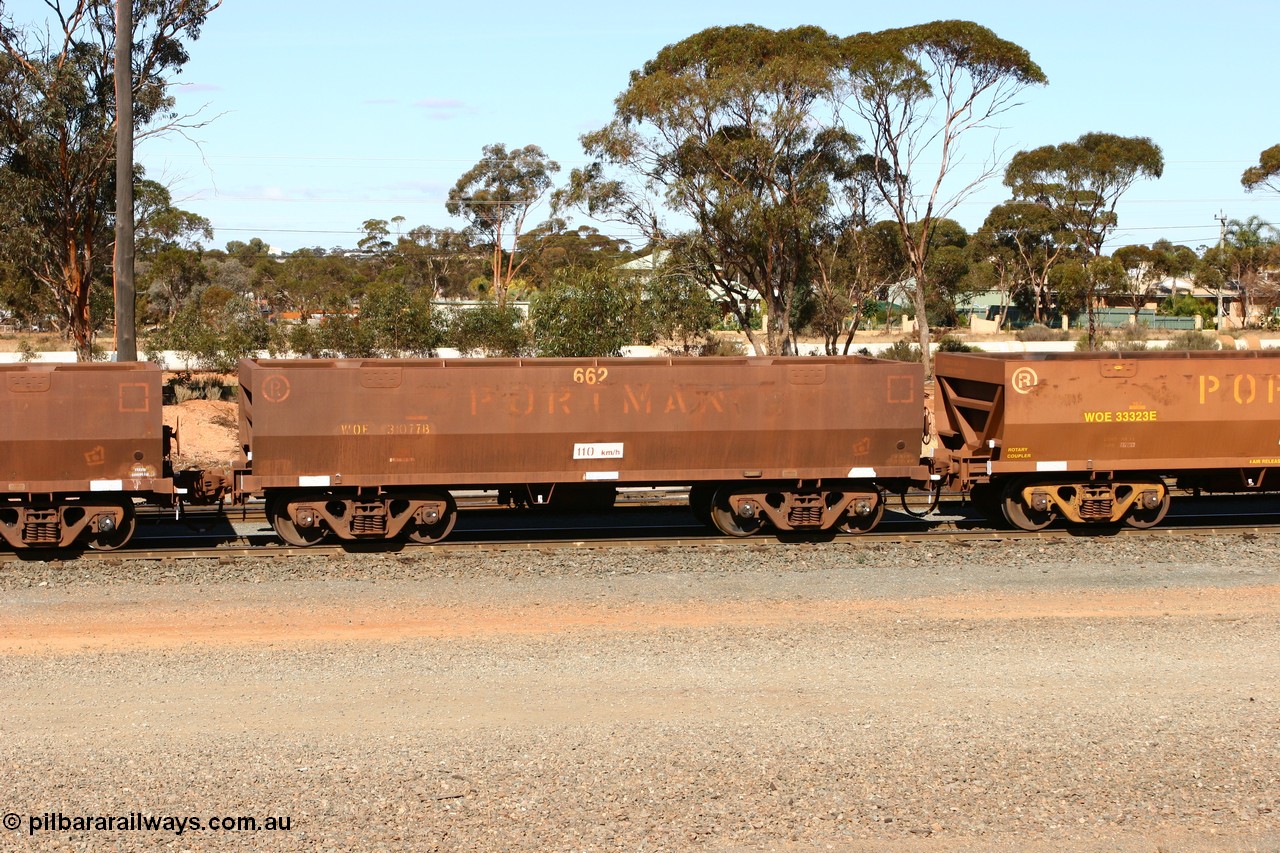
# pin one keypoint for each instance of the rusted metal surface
(1082, 411)
(479, 423)
(1092, 435)
(77, 442)
(328, 426)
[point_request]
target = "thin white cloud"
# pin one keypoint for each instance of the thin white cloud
(444, 109)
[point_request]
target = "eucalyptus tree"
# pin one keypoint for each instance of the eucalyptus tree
(497, 196)
(57, 136)
(1080, 183)
(158, 224)
(994, 268)
(553, 247)
(725, 127)
(440, 261)
(1175, 261)
(918, 90)
(1144, 268)
(1266, 173)
(1036, 240)
(401, 320)
(859, 258)
(587, 312)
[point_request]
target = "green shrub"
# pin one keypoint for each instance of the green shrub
(902, 350)
(720, 346)
(1041, 333)
(1189, 340)
(950, 343)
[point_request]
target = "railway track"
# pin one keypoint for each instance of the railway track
(655, 524)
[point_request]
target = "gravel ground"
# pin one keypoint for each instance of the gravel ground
(1102, 694)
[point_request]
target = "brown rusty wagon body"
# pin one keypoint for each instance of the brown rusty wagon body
(78, 442)
(371, 448)
(1098, 437)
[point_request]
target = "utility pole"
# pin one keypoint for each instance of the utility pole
(1222, 251)
(126, 329)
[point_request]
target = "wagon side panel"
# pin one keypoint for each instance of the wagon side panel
(494, 422)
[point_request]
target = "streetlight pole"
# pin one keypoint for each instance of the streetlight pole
(126, 331)
(1222, 251)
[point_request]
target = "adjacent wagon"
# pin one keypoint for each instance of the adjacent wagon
(1101, 437)
(78, 444)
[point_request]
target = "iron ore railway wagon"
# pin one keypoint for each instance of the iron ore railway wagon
(1099, 438)
(78, 444)
(371, 449)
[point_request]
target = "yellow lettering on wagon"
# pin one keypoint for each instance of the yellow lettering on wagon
(353, 429)
(637, 400)
(1123, 416)
(590, 375)
(1246, 388)
(1208, 385)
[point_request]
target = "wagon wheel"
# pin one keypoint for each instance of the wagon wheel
(864, 523)
(1021, 516)
(700, 495)
(286, 529)
(118, 537)
(729, 522)
(1144, 518)
(430, 533)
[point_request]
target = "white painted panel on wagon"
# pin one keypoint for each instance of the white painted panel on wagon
(599, 450)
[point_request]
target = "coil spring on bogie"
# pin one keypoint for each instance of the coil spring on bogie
(368, 519)
(1096, 508)
(41, 527)
(804, 516)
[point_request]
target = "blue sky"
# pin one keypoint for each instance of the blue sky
(325, 115)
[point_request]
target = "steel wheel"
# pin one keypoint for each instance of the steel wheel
(430, 533)
(729, 522)
(1144, 518)
(863, 523)
(286, 529)
(118, 537)
(1021, 516)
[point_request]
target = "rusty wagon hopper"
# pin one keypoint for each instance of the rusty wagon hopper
(78, 443)
(1099, 437)
(370, 449)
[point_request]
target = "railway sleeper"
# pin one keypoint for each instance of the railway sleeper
(66, 524)
(1138, 503)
